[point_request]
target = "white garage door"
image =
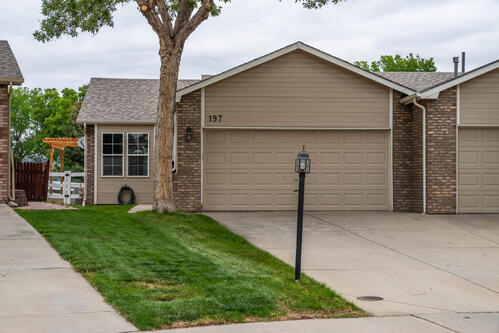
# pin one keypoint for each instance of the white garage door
(479, 170)
(254, 169)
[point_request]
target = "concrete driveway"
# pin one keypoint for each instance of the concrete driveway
(430, 266)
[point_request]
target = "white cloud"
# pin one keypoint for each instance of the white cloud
(353, 30)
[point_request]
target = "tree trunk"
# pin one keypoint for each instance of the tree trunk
(163, 182)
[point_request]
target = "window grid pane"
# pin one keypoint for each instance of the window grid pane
(112, 154)
(138, 151)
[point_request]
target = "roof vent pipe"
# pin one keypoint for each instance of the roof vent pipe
(463, 62)
(456, 63)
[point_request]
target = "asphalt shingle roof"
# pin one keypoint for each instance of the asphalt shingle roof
(9, 69)
(418, 81)
(122, 100)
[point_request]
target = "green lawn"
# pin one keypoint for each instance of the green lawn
(176, 270)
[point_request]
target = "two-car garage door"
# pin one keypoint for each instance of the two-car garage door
(254, 169)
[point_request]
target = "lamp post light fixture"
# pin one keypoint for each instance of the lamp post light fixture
(302, 166)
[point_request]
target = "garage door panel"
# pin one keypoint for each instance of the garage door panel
(479, 170)
(330, 158)
(490, 201)
(491, 180)
(349, 170)
(491, 157)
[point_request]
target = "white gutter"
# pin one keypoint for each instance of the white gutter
(85, 178)
(96, 162)
(408, 99)
(11, 174)
(117, 122)
(423, 109)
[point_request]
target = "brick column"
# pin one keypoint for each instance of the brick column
(407, 157)
(441, 153)
(187, 180)
(4, 141)
(90, 166)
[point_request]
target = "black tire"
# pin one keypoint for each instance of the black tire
(120, 195)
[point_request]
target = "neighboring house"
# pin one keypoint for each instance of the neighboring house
(10, 75)
(364, 132)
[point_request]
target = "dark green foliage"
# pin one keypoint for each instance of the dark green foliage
(38, 114)
(72, 17)
(316, 4)
(170, 270)
(398, 63)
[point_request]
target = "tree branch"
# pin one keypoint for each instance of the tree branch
(201, 15)
(153, 18)
(183, 15)
(165, 16)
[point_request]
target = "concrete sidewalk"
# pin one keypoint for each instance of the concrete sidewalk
(40, 292)
(463, 323)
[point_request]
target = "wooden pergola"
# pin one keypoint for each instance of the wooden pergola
(59, 144)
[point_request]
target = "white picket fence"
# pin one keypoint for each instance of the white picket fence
(65, 189)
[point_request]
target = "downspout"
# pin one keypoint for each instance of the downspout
(11, 174)
(423, 109)
(85, 178)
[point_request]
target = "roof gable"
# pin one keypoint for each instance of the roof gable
(288, 49)
(9, 69)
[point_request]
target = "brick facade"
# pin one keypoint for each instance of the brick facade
(441, 153)
(187, 180)
(4, 141)
(90, 164)
(407, 157)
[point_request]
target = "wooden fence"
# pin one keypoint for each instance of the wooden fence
(33, 179)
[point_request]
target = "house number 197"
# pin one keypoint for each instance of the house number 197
(213, 118)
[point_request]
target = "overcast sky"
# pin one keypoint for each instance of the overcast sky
(353, 30)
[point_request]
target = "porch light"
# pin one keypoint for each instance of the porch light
(188, 134)
(302, 162)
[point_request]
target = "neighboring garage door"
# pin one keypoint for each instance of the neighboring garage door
(479, 170)
(254, 169)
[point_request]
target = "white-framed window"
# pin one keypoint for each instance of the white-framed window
(112, 154)
(138, 154)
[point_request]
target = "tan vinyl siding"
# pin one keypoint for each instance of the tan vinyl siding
(480, 100)
(479, 170)
(108, 187)
(254, 169)
(297, 90)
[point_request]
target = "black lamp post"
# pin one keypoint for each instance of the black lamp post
(302, 166)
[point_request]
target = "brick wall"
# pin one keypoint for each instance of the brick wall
(417, 159)
(4, 141)
(90, 163)
(187, 180)
(407, 157)
(441, 153)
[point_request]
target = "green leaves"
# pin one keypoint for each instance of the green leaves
(316, 4)
(398, 63)
(71, 17)
(38, 114)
